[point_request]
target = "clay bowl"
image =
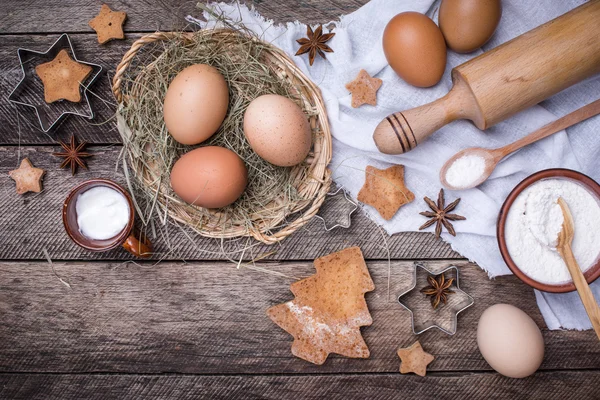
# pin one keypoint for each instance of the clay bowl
(592, 273)
(70, 217)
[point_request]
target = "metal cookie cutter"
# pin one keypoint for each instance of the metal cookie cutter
(29, 91)
(334, 210)
(423, 317)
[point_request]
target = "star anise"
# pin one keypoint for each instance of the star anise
(438, 290)
(315, 43)
(440, 214)
(73, 155)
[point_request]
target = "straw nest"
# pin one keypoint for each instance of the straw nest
(277, 201)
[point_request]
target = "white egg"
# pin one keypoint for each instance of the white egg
(510, 341)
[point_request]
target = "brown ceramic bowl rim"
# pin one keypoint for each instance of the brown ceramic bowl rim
(592, 273)
(117, 240)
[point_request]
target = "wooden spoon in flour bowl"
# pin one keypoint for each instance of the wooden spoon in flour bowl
(565, 239)
(471, 167)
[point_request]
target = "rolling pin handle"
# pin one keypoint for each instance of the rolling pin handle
(401, 132)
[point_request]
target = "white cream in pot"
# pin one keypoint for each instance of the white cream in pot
(102, 213)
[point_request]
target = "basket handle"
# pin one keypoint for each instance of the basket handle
(130, 54)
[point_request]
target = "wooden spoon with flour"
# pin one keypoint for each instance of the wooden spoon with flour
(471, 167)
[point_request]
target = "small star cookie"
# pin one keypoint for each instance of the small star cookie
(108, 24)
(364, 89)
(385, 190)
(62, 78)
(27, 177)
(414, 359)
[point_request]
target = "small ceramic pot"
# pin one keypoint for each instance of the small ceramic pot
(126, 238)
(592, 186)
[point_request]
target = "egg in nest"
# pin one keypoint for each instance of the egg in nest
(196, 104)
(277, 130)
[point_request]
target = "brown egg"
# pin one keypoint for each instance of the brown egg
(415, 48)
(196, 104)
(210, 177)
(469, 24)
(277, 130)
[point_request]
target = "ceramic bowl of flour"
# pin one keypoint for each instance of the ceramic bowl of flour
(530, 221)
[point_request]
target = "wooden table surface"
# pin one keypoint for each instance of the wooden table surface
(197, 328)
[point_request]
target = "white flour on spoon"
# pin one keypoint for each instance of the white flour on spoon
(466, 170)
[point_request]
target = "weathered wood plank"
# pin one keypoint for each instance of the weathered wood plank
(555, 385)
(33, 222)
(210, 318)
(18, 124)
(43, 16)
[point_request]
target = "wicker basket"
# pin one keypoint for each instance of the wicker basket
(312, 183)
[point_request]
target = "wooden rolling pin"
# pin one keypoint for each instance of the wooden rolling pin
(505, 80)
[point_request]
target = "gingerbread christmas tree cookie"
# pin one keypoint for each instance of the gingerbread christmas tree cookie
(385, 190)
(62, 78)
(414, 359)
(329, 308)
(108, 24)
(364, 89)
(27, 177)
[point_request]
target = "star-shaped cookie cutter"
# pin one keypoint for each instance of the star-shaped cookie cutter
(346, 224)
(29, 87)
(456, 308)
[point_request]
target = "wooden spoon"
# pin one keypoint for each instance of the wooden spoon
(493, 156)
(565, 238)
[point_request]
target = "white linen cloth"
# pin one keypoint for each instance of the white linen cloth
(357, 45)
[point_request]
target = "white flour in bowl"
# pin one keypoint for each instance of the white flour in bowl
(535, 220)
(544, 216)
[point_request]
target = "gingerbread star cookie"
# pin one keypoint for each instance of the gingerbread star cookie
(108, 24)
(27, 177)
(329, 308)
(384, 189)
(364, 89)
(414, 359)
(62, 78)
